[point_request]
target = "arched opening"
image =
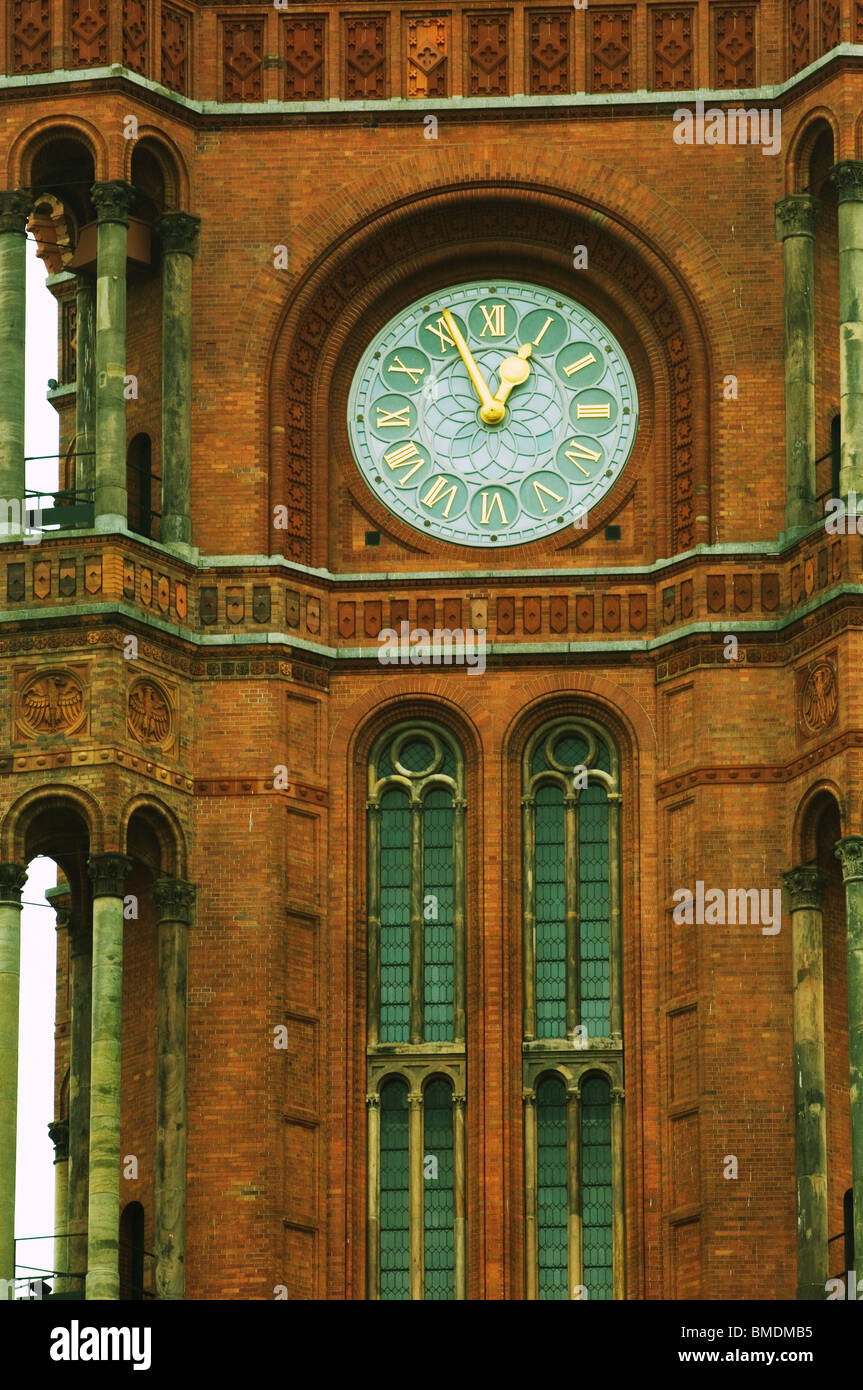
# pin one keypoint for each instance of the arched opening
(144, 488)
(132, 1252)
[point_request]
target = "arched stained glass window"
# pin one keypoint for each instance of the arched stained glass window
(572, 1013)
(415, 1022)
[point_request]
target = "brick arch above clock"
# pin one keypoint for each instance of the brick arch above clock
(439, 238)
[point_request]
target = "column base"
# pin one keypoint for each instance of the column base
(811, 1293)
(109, 521)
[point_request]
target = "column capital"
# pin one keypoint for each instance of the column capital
(12, 879)
(805, 887)
(795, 216)
(528, 1097)
(373, 1101)
(113, 200)
(849, 852)
(178, 233)
(847, 175)
(174, 899)
(58, 1133)
(108, 873)
(15, 208)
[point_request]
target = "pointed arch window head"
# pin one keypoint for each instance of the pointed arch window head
(416, 887)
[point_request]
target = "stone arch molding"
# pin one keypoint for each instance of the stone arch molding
(662, 263)
(41, 133)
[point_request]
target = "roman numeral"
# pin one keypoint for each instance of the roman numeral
(542, 332)
(436, 491)
(390, 419)
(577, 366)
(574, 451)
(441, 334)
(593, 412)
(402, 457)
(413, 372)
(495, 322)
(488, 508)
(540, 487)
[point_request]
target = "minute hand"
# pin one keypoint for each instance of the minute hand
(491, 411)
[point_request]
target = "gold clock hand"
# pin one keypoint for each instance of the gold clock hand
(491, 412)
(512, 372)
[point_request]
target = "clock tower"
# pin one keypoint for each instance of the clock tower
(534, 977)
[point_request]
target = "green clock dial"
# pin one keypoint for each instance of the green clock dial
(491, 414)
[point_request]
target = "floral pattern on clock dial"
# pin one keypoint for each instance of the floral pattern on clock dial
(492, 413)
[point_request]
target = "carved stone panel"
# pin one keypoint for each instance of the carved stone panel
(799, 37)
(31, 36)
(611, 50)
(488, 55)
(733, 55)
(304, 58)
(672, 49)
(549, 46)
(817, 695)
(174, 45)
(828, 24)
(242, 59)
(365, 48)
(89, 24)
(50, 702)
(150, 715)
(135, 35)
(427, 48)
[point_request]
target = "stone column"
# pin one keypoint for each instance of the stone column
(618, 1193)
(58, 1131)
(80, 993)
(85, 374)
(14, 207)
(175, 901)
(848, 178)
(108, 873)
(178, 232)
(850, 852)
(531, 1252)
(459, 1197)
(112, 202)
(373, 1234)
(12, 879)
(416, 1194)
(805, 889)
(795, 228)
(574, 1220)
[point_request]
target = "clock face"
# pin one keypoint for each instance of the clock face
(491, 414)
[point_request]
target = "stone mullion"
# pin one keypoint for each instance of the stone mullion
(12, 879)
(805, 888)
(416, 1194)
(850, 851)
(108, 872)
(531, 1251)
(85, 383)
(459, 1141)
(112, 202)
(618, 1195)
(572, 930)
(178, 232)
(574, 1221)
(174, 900)
(459, 919)
(373, 893)
(615, 919)
(795, 227)
(848, 178)
(528, 889)
(373, 1186)
(417, 961)
(14, 207)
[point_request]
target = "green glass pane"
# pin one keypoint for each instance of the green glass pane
(448, 766)
(596, 1187)
(550, 915)
(438, 941)
(395, 916)
(593, 894)
(395, 1205)
(551, 1189)
(417, 756)
(438, 1198)
(570, 751)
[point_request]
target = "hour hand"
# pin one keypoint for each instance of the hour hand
(512, 372)
(491, 410)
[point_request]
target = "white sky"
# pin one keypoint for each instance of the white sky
(34, 1209)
